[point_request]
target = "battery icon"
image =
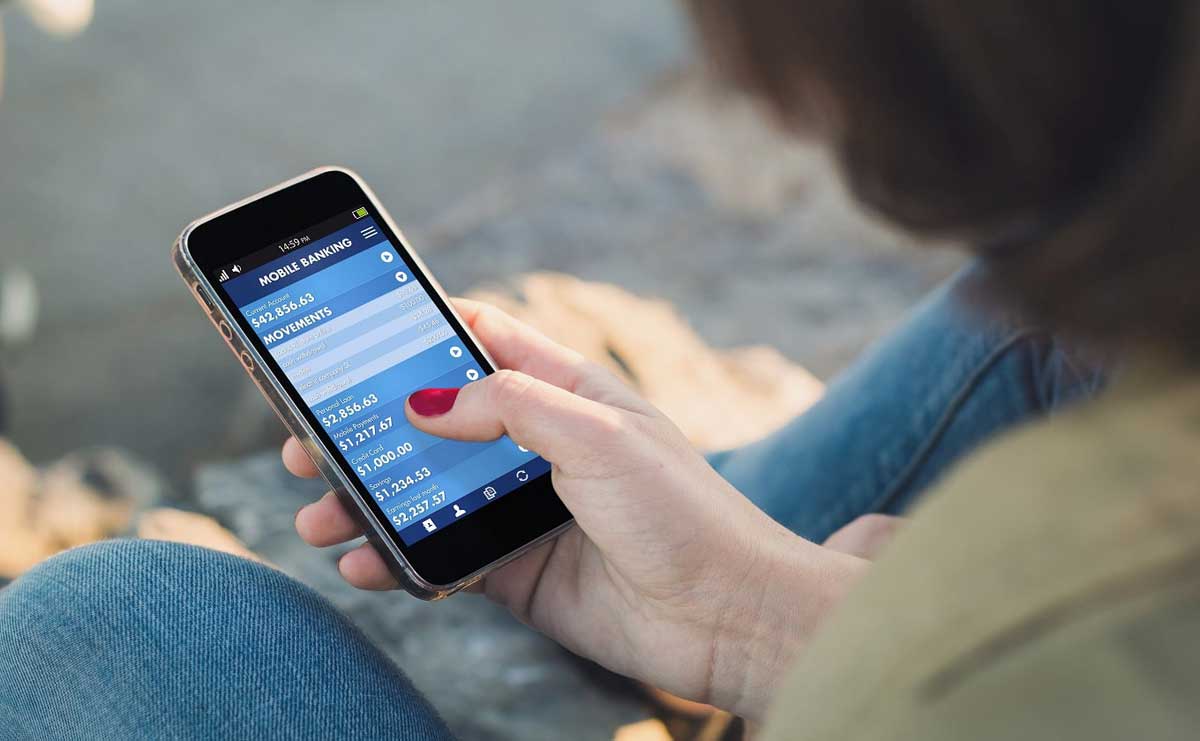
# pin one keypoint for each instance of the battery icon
(360, 212)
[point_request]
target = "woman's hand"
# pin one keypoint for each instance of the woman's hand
(671, 577)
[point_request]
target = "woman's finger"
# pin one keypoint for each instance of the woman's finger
(364, 568)
(516, 345)
(512, 343)
(296, 460)
(326, 522)
(562, 427)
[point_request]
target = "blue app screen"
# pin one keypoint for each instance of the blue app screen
(354, 332)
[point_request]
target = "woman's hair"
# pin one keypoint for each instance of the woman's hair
(1058, 137)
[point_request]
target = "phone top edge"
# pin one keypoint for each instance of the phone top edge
(181, 240)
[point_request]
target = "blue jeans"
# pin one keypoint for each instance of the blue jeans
(953, 375)
(141, 639)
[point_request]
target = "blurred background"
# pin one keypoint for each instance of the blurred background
(158, 113)
(569, 159)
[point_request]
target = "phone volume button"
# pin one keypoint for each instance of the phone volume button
(247, 360)
(225, 330)
(202, 297)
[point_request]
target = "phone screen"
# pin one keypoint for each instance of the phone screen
(354, 331)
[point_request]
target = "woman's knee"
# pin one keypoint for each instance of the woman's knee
(123, 598)
(118, 580)
(144, 630)
(127, 594)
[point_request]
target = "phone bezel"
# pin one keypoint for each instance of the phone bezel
(457, 553)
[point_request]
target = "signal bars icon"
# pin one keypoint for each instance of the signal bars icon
(224, 276)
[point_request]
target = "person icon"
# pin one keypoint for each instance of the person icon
(458, 511)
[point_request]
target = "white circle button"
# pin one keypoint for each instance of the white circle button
(456, 352)
(386, 256)
(472, 375)
(401, 276)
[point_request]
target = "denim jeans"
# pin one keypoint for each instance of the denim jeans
(953, 375)
(142, 639)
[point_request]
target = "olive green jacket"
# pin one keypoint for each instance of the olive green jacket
(1049, 589)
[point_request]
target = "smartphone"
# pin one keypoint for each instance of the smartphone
(337, 321)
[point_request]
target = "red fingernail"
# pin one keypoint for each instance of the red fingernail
(432, 402)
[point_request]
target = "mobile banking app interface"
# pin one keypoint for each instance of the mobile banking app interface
(342, 314)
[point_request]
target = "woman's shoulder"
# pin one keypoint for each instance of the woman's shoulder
(1032, 573)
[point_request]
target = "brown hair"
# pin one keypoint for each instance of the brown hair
(1058, 137)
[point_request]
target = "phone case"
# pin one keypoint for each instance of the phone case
(294, 421)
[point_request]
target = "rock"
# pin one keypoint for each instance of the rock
(21, 544)
(84, 497)
(192, 528)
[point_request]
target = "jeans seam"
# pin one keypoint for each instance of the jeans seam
(939, 429)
